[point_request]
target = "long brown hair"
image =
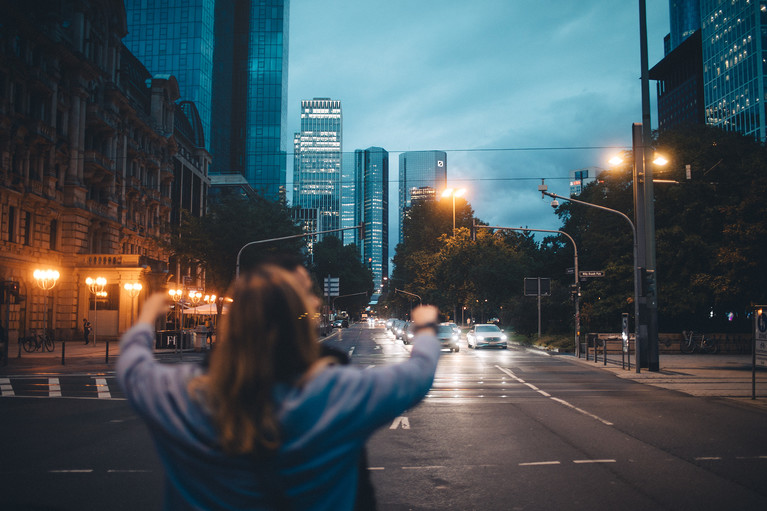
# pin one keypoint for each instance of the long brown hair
(267, 337)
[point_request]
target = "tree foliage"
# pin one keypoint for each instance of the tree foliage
(711, 241)
(333, 258)
(213, 241)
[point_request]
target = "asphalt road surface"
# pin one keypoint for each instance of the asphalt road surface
(501, 429)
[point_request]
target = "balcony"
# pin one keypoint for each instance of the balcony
(108, 260)
(97, 164)
(43, 130)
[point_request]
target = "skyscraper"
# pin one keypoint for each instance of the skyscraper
(231, 60)
(317, 164)
(684, 16)
(372, 209)
(250, 91)
(422, 174)
(176, 37)
(733, 71)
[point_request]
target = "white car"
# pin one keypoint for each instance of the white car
(486, 336)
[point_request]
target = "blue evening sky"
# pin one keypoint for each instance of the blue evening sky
(499, 78)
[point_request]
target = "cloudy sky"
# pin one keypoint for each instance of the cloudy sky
(513, 90)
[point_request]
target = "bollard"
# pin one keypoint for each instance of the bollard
(63, 352)
(106, 360)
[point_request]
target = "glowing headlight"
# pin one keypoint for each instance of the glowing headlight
(503, 336)
(480, 338)
(410, 335)
(455, 337)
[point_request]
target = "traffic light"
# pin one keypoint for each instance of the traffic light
(649, 284)
(11, 290)
(362, 231)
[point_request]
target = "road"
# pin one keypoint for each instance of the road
(501, 429)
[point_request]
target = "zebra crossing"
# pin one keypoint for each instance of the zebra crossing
(65, 386)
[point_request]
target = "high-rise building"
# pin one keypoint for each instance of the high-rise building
(176, 37)
(250, 90)
(372, 209)
(317, 164)
(231, 60)
(733, 72)
(421, 175)
(684, 16)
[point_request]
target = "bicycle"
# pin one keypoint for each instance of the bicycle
(698, 342)
(35, 342)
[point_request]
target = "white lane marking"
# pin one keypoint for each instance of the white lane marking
(707, 458)
(127, 471)
(426, 467)
(376, 468)
(103, 388)
(560, 401)
(593, 461)
(54, 388)
(5, 387)
(403, 421)
(371, 366)
(537, 463)
(74, 471)
(351, 351)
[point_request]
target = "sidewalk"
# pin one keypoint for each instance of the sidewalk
(725, 376)
(78, 358)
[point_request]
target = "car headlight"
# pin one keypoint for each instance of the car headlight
(503, 336)
(480, 338)
(455, 337)
(410, 335)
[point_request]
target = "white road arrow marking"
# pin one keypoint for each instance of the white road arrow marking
(400, 421)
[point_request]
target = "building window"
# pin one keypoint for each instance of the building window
(11, 224)
(54, 235)
(27, 228)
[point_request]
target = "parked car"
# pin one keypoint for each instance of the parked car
(400, 331)
(486, 335)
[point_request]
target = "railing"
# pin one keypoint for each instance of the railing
(114, 260)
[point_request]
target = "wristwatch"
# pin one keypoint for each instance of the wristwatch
(432, 325)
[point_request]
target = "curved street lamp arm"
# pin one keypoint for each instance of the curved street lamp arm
(257, 242)
(407, 293)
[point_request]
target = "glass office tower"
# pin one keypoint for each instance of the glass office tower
(317, 164)
(422, 174)
(684, 16)
(250, 91)
(371, 169)
(733, 70)
(176, 37)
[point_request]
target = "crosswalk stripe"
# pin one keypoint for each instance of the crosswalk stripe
(103, 388)
(54, 388)
(5, 387)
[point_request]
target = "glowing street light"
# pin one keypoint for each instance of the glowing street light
(133, 289)
(450, 192)
(96, 287)
(46, 280)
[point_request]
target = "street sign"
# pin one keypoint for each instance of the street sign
(331, 286)
(591, 273)
(537, 286)
(760, 338)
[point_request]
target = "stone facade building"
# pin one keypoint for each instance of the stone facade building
(96, 157)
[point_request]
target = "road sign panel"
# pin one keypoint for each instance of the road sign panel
(591, 273)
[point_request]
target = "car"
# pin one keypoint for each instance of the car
(486, 335)
(449, 337)
(400, 331)
(341, 323)
(455, 327)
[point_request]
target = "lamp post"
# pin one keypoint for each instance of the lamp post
(450, 192)
(46, 280)
(646, 330)
(96, 287)
(133, 289)
(194, 297)
(543, 189)
(176, 295)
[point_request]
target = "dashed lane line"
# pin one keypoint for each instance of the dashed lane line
(555, 399)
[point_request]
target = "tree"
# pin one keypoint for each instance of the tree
(213, 241)
(333, 258)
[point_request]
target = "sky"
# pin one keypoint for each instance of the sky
(513, 90)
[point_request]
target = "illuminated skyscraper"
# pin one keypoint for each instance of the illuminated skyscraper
(231, 60)
(422, 174)
(317, 164)
(176, 37)
(250, 91)
(371, 168)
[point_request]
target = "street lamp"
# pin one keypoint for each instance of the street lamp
(176, 295)
(96, 287)
(46, 280)
(450, 192)
(646, 328)
(133, 289)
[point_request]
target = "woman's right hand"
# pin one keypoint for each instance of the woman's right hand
(424, 314)
(154, 306)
